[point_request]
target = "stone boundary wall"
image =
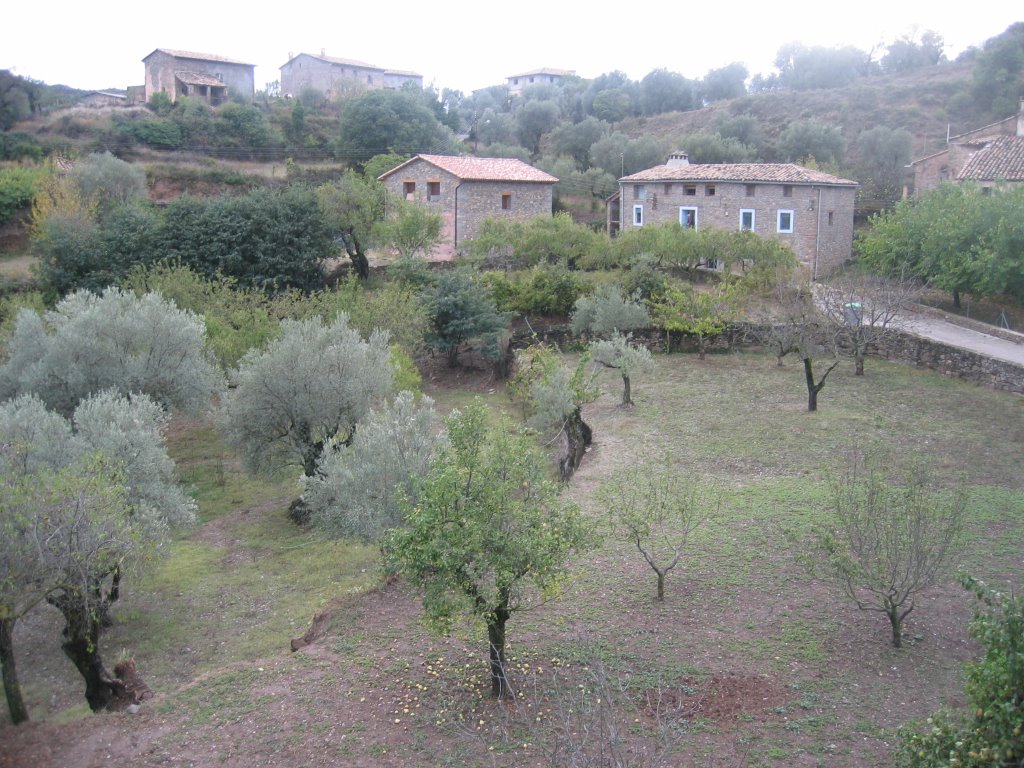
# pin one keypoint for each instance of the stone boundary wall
(900, 347)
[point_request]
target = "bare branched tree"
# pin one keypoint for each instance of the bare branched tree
(655, 507)
(798, 326)
(892, 539)
(863, 310)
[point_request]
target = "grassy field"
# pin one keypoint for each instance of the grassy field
(746, 662)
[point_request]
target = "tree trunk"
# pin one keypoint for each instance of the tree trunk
(626, 398)
(578, 437)
(453, 356)
(12, 688)
(500, 688)
(661, 585)
(81, 646)
(858, 364)
(812, 390)
(956, 299)
(702, 347)
(897, 628)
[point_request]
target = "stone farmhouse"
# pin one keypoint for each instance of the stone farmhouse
(808, 210)
(467, 190)
(332, 77)
(988, 156)
(516, 83)
(200, 76)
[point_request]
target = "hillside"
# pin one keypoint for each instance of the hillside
(922, 102)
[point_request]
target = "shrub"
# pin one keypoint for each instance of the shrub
(18, 185)
(989, 732)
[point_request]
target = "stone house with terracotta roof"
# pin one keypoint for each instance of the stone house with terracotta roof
(201, 76)
(332, 76)
(544, 75)
(466, 190)
(987, 156)
(808, 210)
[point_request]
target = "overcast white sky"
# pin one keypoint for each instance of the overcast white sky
(462, 44)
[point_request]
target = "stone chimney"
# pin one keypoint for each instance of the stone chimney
(678, 158)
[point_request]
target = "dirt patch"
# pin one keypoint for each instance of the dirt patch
(723, 699)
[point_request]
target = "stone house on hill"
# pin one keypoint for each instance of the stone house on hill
(332, 76)
(202, 76)
(545, 75)
(809, 210)
(467, 190)
(986, 156)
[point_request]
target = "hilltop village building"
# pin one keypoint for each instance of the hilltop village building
(989, 157)
(810, 211)
(545, 75)
(202, 76)
(466, 190)
(334, 77)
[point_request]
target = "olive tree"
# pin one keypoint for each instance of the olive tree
(358, 489)
(656, 507)
(622, 355)
(86, 501)
(117, 340)
(891, 538)
(305, 390)
(553, 395)
(488, 525)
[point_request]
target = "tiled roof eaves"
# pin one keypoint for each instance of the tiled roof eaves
(1002, 159)
(200, 57)
(741, 172)
(468, 168)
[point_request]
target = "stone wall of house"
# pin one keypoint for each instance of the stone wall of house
(479, 200)
(822, 236)
(421, 174)
(308, 72)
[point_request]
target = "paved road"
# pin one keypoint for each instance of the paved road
(965, 338)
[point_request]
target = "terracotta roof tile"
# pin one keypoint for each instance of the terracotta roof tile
(470, 168)
(1002, 159)
(197, 78)
(200, 56)
(781, 173)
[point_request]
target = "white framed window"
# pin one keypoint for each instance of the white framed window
(785, 222)
(688, 217)
(748, 217)
(639, 192)
(638, 215)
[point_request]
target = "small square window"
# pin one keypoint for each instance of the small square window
(409, 189)
(638, 215)
(668, 188)
(506, 201)
(688, 217)
(689, 190)
(709, 190)
(639, 192)
(433, 191)
(747, 218)
(750, 189)
(785, 221)
(787, 190)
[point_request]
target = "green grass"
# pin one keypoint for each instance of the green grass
(239, 586)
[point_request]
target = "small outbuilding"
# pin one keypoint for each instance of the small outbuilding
(467, 190)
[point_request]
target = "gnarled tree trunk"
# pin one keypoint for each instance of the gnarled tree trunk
(81, 646)
(12, 688)
(500, 687)
(577, 438)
